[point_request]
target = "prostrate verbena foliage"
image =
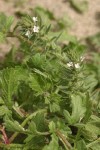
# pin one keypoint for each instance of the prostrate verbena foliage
(47, 99)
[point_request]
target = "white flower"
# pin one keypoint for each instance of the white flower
(82, 58)
(70, 64)
(35, 19)
(77, 65)
(28, 33)
(36, 29)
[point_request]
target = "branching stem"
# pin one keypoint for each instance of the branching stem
(25, 122)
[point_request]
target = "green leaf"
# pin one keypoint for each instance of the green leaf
(37, 60)
(10, 57)
(40, 122)
(34, 142)
(2, 37)
(4, 110)
(9, 22)
(1, 101)
(95, 119)
(10, 79)
(53, 145)
(32, 127)
(44, 12)
(54, 107)
(52, 127)
(62, 36)
(88, 109)
(67, 116)
(90, 82)
(13, 125)
(60, 104)
(93, 130)
(5, 23)
(74, 50)
(2, 22)
(34, 84)
(95, 145)
(64, 23)
(41, 73)
(79, 6)
(81, 145)
(78, 108)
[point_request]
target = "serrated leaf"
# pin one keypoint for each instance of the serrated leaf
(95, 146)
(4, 110)
(13, 125)
(32, 127)
(5, 23)
(40, 123)
(74, 50)
(54, 107)
(93, 129)
(34, 142)
(41, 73)
(10, 79)
(37, 60)
(35, 84)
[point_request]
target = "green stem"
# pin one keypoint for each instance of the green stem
(42, 133)
(18, 111)
(11, 146)
(77, 136)
(25, 122)
(63, 140)
(11, 34)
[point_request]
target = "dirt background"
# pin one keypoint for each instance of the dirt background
(84, 24)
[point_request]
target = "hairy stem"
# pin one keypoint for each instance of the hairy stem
(11, 34)
(4, 136)
(63, 140)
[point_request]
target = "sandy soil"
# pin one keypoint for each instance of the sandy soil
(84, 24)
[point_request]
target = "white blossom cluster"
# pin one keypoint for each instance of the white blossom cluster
(77, 65)
(35, 27)
(70, 64)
